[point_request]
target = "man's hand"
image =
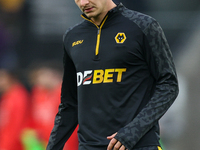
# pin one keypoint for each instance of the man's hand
(115, 144)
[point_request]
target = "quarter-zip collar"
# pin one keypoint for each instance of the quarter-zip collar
(99, 27)
(120, 5)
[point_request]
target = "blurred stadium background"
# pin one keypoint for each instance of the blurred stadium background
(32, 30)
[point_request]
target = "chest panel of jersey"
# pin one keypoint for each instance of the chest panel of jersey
(111, 54)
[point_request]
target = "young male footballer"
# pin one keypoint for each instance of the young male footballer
(119, 79)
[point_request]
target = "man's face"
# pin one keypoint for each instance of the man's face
(92, 8)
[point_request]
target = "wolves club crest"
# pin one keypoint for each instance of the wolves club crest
(120, 38)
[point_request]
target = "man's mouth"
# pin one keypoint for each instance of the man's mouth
(87, 10)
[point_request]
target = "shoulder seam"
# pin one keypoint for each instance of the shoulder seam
(71, 28)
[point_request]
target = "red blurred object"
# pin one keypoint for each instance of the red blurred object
(45, 100)
(13, 112)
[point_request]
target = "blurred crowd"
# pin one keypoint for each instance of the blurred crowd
(27, 109)
(27, 116)
(31, 70)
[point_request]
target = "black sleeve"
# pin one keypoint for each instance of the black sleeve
(160, 63)
(66, 119)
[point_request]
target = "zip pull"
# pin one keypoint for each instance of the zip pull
(98, 41)
(98, 35)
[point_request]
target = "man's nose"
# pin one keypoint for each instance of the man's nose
(84, 2)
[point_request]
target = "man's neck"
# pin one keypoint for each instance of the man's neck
(97, 20)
